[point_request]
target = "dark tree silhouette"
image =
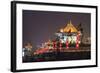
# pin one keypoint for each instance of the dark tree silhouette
(80, 28)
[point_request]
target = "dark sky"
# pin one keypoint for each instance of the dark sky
(39, 26)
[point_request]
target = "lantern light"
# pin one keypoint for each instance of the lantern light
(61, 30)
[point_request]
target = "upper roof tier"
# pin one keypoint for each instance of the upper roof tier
(69, 28)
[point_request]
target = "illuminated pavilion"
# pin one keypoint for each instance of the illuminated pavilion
(69, 34)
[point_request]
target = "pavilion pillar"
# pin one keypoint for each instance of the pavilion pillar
(67, 44)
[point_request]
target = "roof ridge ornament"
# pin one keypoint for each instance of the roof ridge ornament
(70, 22)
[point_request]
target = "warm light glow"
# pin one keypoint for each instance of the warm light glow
(79, 42)
(77, 45)
(61, 30)
(69, 39)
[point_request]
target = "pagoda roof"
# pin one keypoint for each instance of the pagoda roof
(70, 28)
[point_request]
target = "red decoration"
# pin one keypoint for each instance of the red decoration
(77, 45)
(67, 44)
(77, 42)
(54, 44)
(60, 45)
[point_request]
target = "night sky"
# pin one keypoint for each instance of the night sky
(40, 26)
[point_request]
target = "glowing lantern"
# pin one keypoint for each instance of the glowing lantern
(61, 30)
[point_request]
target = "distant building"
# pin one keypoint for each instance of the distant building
(27, 50)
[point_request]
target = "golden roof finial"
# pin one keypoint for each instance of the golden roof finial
(70, 22)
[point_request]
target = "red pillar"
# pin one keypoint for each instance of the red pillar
(77, 45)
(60, 45)
(77, 42)
(54, 45)
(67, 44)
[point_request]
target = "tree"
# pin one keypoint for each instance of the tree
(80, 28)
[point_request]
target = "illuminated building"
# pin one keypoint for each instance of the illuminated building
(69, 35)
(26, 51)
